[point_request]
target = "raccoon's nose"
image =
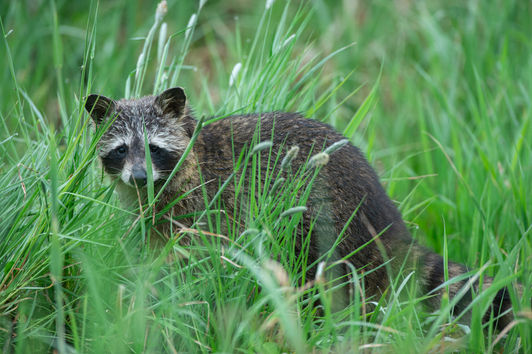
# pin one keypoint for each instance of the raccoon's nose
(138, 177)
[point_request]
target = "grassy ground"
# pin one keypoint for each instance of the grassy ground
(437, 93)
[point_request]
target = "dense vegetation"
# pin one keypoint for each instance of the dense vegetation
(437, 93)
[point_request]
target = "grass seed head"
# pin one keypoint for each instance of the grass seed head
(319, 160)
(261, 146)
(278, 183)
(190, 26)
(234, 74)
(294, 210)
(162, 9)
(336, 146)
(290, 155)
(278, 272)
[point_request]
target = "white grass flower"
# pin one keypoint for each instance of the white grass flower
(140, 64)
(190, 26)
(201, 3)
(319, 160)
(128, 87)
(293, 210)
(234, 74)
(269, 4)
(336, 146)
(288, 40)
(278, 272)
(319, 272)
(278, 183)
(162, 9)
(162, 40)
(262, 146)
(277, 48)
(289, 157)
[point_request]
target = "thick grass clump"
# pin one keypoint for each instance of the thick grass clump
(438, 94)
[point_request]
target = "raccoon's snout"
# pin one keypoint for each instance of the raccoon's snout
(138, 177)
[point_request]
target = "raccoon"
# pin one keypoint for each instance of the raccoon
(344, 185)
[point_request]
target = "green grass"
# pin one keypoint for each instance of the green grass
(436, 93)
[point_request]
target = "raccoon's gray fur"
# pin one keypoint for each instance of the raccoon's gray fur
(345, 183)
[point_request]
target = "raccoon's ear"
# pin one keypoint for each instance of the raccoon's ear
(172, 102)
(99, 107)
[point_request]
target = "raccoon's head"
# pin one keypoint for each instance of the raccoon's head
(161, 119)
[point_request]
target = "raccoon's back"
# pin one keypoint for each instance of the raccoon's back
(349, 180)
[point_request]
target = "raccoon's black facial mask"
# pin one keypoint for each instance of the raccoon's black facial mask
(163, 160)
(130, 163)
(113, 162)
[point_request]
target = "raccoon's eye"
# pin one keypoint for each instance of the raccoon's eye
(154, 149)
(121, 150)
